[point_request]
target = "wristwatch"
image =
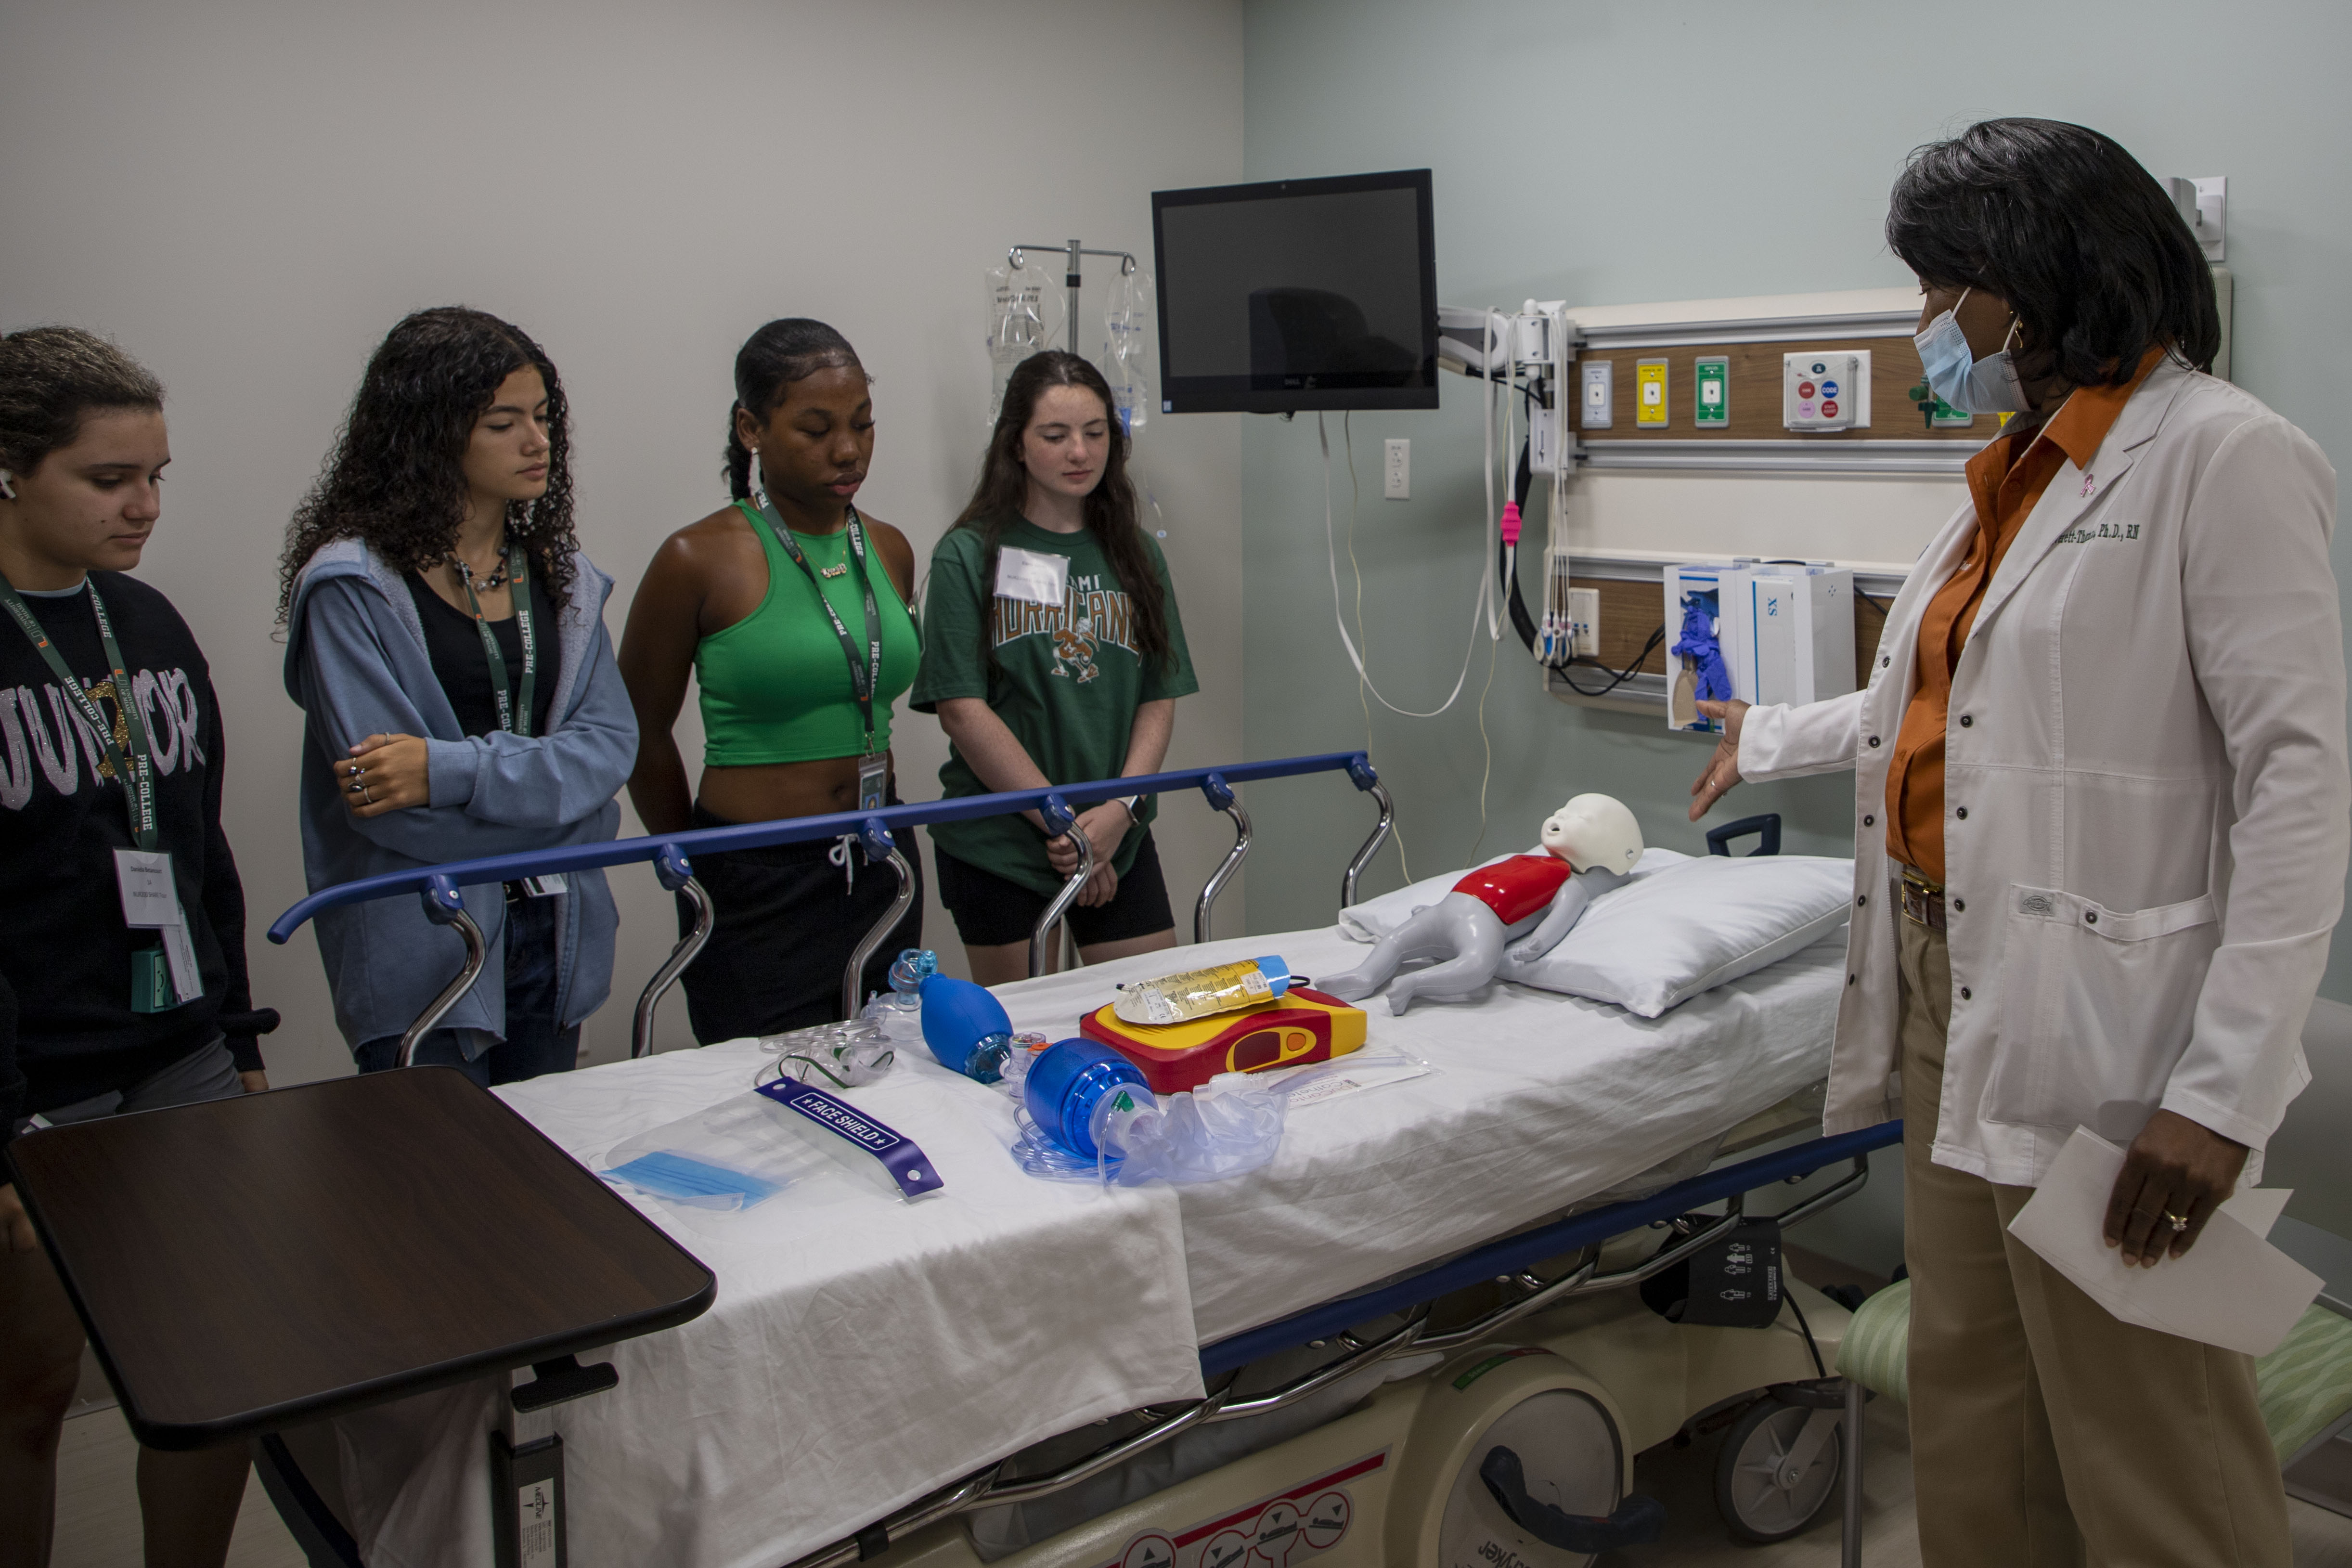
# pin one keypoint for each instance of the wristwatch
(1134, 804)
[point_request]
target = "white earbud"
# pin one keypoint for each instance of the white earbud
(7, 485)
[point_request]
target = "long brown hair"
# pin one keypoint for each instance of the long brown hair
(1111, 509)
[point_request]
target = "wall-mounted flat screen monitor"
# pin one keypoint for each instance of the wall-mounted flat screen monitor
(1297, 294)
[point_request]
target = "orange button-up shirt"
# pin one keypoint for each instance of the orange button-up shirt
(2005, 482)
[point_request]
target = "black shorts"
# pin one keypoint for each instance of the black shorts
(788, 919)
(991, 911)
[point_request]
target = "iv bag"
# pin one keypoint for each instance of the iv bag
(1129, 328)
(1024, 312)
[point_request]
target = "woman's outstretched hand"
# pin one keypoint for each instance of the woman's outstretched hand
(1723, 768)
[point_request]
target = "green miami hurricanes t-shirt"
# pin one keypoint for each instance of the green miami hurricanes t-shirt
(1069, 680)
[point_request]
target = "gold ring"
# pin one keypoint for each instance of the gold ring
(2174, 1220)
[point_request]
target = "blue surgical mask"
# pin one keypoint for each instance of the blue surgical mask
(1973, 386)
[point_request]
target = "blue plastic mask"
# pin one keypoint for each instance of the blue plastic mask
(1973, 386)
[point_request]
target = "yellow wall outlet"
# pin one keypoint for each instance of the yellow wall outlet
(1650, 399)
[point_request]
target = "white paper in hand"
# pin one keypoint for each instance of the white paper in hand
(2233, 1289)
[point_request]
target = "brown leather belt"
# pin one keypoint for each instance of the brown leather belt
(1922, 900)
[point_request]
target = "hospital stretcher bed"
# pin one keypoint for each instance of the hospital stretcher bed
(871, 1372)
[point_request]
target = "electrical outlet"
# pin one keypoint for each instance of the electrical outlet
(1584, 622)
(1397, 468)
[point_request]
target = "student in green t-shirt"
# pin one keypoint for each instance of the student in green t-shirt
(1052, 654)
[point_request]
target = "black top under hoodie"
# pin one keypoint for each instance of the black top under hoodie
(64, 950)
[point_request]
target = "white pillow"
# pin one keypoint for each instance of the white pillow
(1681, 926)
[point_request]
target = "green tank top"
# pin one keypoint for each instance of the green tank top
(775, 685)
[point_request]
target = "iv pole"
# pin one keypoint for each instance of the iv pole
(1072, 250)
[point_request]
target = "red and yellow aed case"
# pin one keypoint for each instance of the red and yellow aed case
(1303, 1025)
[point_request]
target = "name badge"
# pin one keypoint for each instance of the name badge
(1032, 576)
(873, 780)
(151, 901)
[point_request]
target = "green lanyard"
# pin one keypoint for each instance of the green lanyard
(136, 775)
(518, 576)
(865, 675)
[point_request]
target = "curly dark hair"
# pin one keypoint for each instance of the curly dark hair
(1111, 509)
(2066, 226)
(395, 479)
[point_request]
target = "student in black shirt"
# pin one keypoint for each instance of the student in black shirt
(111, 768)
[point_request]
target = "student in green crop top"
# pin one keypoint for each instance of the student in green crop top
(777, 605)
(1052, 654)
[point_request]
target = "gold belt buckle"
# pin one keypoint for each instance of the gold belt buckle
(1920, 898)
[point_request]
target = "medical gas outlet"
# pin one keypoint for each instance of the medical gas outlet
(1826, 390)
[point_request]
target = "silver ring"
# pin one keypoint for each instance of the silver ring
(365, 797)
(2175, 1222)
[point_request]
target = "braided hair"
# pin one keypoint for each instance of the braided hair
(780, 353)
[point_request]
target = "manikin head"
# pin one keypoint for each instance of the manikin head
(1594, 831)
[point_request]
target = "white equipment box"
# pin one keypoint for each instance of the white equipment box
(1783, 629)
(1788, 632)
(1826, 390)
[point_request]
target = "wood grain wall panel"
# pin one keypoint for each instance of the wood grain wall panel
(1754, 388)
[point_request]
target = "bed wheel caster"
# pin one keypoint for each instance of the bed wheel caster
(1780, 1465)
(561, 1379)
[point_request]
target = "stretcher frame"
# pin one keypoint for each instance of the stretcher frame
(1509, 1261)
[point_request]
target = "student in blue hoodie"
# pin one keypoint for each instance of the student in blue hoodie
(445, 638)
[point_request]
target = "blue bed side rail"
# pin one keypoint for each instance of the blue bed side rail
(672, 850)
(1526, 1248)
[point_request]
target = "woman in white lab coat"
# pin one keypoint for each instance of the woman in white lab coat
(2101, 803)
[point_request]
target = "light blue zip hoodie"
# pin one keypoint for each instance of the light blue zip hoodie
(356, 661)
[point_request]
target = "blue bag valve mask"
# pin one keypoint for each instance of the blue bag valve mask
(1973, 386)
(966, 1028)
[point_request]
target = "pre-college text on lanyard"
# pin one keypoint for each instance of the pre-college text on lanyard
(514, 712)
(161, 978)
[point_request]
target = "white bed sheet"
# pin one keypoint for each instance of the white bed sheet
(1538, 1099)
(862, 1353)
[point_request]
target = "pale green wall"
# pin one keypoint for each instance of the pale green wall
(1782, 127)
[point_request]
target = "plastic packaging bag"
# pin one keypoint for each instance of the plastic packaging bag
(732, 1156)
(1129, 325)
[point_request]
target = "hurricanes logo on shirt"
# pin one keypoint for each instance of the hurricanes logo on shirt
(42, 732)
(1088, 617)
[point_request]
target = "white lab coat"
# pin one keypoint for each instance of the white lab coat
(2147, 808)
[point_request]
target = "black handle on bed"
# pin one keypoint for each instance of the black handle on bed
(1765, 825)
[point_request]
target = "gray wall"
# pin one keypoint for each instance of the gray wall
(1765, 171)
(247, 194)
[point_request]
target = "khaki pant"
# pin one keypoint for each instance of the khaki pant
(2043, 1431)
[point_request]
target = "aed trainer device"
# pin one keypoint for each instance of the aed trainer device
(1711, 375)
(1301, 1025)
(1650, 404)
(1826, 390)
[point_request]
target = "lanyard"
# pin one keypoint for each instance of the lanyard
(137, 775)
(518, 576)
(864, 674)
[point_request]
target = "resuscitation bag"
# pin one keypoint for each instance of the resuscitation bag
(1734, 1283)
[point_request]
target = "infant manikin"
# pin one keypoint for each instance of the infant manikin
(1591, 845)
